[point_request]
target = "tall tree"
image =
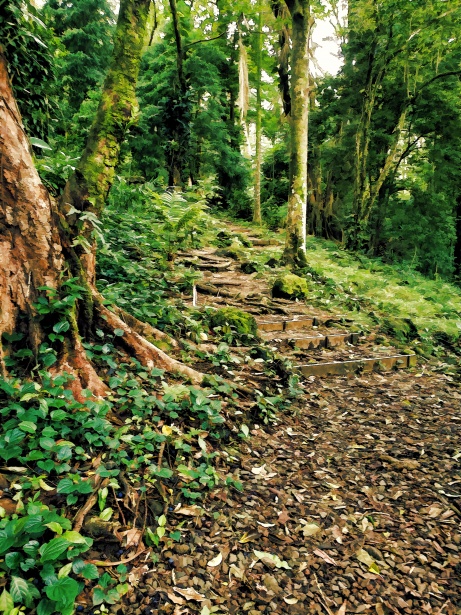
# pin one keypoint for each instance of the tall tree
(301, 22)
(258, 128)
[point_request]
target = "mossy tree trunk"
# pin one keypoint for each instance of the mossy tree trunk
(86, 191)
(295, 246)
(43, 243)
(258, 154)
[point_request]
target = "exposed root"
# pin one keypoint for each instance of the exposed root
(74, 361)
(148, 354)
(142, 328)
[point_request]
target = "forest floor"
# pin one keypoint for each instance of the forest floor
(351, 499)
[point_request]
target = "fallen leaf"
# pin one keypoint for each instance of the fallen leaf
(130, 538)
(325, 556)
(291, 600)
(266, 524)
(191, 511)
(271, 560)
(189, 593)
(237, 572)
(364, 557)
(215, 561)
(283, 517)
(310, 529)
(342, 609)
(175, 599)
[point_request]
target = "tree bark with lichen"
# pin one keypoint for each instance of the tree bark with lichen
(43, 243)
(301, 21)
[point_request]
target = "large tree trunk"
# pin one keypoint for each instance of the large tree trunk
(30, 249)
(295, 246)
(37, 239)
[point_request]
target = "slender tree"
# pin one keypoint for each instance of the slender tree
(301, 22)
(258, 152)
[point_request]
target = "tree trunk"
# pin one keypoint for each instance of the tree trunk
(31, 255)
(295, 246)
(37, 239)
(258, 154)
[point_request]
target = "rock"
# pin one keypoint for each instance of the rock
(290, 286)
(227, 238)
(242, 322)
(234, 251)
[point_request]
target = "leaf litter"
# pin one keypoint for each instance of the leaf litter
(343, 525)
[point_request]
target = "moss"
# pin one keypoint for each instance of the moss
(403, 329)
(234, 251)
(290, 286)
(226, 238)
(243, 323)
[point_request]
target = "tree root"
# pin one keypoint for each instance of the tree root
(142, 328)
(74, 361)
(148, 354)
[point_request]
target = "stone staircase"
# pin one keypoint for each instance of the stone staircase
(318, 344)
(302, 333)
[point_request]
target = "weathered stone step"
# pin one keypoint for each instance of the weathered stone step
(309, 342)
(287, 324)
(342, 368)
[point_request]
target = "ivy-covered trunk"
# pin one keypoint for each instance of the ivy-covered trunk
(86, 191)
(295, 246)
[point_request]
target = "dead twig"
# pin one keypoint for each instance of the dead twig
(91, 501)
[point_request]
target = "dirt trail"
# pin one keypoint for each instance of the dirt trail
(351, 503)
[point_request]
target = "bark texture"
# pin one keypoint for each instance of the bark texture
(30, 248)
(295, 247)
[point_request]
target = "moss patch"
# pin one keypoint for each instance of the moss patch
(290, 286)
(241, 322)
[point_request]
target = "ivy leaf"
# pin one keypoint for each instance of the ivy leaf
(53, 549)
(23, 592)
(6, 602)
(63, 590)
(46, 607)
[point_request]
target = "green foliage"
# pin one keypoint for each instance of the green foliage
(40, 553)
(85, 29)
(26, 44)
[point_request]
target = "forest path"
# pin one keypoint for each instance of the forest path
(351, 501)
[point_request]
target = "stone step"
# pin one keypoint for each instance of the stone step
(342, 368)
(287, 324)
(309, 342)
